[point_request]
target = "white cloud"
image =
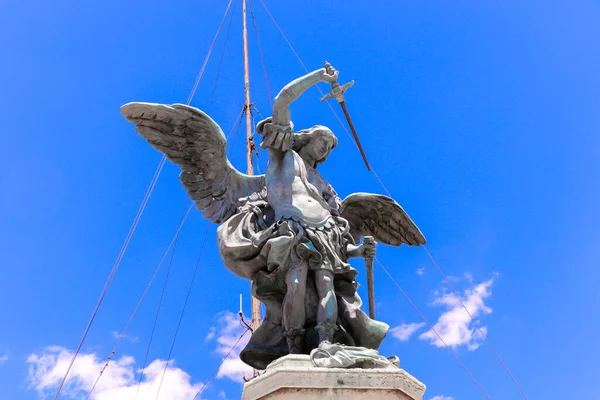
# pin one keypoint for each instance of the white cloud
(455, 326)
(458, 279)
(211, 334)
(118, 382)
(4, 358)
(132, 339)
(405, 331)
(226, 333)
(442, 398)
(421, 271)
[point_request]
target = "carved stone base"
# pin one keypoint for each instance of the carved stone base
(294, 377)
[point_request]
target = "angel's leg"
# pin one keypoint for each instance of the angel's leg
(328, 310)
(294, 315)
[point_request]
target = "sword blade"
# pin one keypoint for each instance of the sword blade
(370, 287)
(362, 152)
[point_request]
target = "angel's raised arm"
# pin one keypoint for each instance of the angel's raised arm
(293, 90)
(277, 131)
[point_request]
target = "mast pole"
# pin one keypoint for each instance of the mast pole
(249, 139)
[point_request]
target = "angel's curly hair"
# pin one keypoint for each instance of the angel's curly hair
(304, 136)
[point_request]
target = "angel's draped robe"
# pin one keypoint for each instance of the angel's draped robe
(252, 249)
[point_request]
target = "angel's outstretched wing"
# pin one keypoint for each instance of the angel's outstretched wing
(381, 217)
(192, 140)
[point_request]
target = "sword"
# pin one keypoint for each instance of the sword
(337, 92)
(370, 280)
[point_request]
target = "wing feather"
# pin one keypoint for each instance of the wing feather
(381, 217)
(191, 139)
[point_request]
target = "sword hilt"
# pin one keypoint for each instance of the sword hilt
(337, 91)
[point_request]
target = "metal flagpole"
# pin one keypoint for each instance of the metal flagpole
(249, 140)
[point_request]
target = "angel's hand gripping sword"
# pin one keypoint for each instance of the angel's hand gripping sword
(337, 92)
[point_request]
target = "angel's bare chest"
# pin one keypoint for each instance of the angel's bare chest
(291, 193)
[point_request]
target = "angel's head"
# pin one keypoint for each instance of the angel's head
(314, 144)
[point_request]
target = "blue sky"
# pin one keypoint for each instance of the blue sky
(480, 117)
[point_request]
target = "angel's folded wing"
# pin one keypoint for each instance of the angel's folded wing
(381, 217)
(191, 139)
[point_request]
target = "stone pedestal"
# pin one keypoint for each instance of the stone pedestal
(294, 377)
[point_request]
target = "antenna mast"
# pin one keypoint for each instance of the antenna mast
(249, 140)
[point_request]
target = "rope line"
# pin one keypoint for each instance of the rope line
(212, 95)
(187, 297)
(262, 59)
(259, 113)
(432, 329)
(221, 363)
(445, 278)
(306, 70)
(234, 124)
(320, 91)
(447, 281)
(212, 45)
(236, 132)
(173, 243)
(114, 269)
(135, 222)
(122, 334)
(282, 34)
(174, 240)
(160, 301)
(389, 194)
(380, 181)
(257, 156)
(474, 322)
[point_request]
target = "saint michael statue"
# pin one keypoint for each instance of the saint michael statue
(287, 230)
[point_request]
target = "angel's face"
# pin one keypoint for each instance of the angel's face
(320, 147)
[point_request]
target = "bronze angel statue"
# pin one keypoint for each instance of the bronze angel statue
(287, 230)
